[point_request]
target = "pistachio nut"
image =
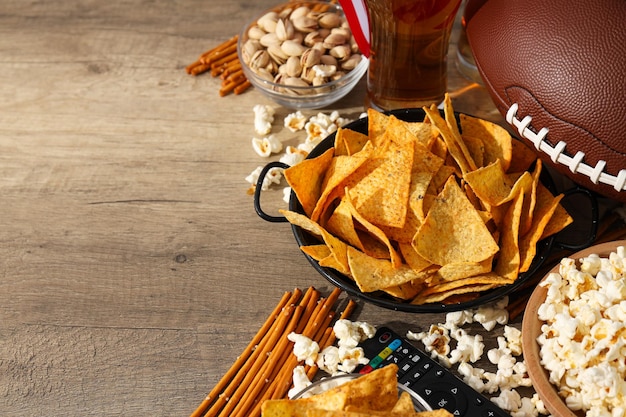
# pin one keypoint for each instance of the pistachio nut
(334, 39)
(268, 21)
(329, 60)
(329, 20)
(260, 59)
(341, 52)
(292, 48)
(255, 32)
(284, 29)
(310, 57)
(293, 67)
(300, 11)
(305, 24)
(269, 39)
(277, 54)
(351, 62)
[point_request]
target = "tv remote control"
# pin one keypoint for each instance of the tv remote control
(434, 383)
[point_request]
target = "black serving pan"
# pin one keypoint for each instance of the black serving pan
(382, 299)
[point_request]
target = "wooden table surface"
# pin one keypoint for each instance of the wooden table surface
(134, 268)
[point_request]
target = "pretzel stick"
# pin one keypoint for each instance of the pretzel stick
(219, 48)
(218, 66)
(329, 337)
(219, 55)
(243, 357)
(234, 389)
(230, 84)
(194, 67)
(242, 87)
(311, 306)
(285, 376)
(258, 355)
(276, 359)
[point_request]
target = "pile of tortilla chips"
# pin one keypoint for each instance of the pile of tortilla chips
(426, 211)
(373, 394)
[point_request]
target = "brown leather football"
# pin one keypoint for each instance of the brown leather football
(556, 70)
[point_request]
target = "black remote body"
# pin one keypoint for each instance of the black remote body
(434, 383)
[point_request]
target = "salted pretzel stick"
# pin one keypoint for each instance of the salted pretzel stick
(243, 357)
(231, 68)
(242, 87)
(309, 303)
(230, 84)
(219, 48)
(320, 315)
(234, 388)
(194, 67)
(218, 66)
(219, 55)
(276, 360)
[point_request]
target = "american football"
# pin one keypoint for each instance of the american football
(556, 70)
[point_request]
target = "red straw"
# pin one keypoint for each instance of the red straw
(358, 19)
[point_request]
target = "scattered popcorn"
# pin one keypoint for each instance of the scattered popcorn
(273, 176)
(316, 127)
(293, 156)
(508, 400)
(304, 348)
(295, 121)
(286, 194)
(466, 349)
(267, 146)
(350, 358)
(341, 359)
(328, 360)
(300, 381)
(459, 318)
(493, 314)
(351, 333)
(263, 118)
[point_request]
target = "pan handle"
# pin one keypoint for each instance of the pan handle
(594, 220)
(257, 192)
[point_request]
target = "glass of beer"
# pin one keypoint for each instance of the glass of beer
(408, 52)
(464, 57)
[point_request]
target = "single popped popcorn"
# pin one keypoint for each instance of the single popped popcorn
(266, 146)
(295, 121)
(263, 119)
(274, 175)
(300, 381)
(304, 348)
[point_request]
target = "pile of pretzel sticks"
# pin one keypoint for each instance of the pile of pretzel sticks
(222, 61)
(264, 370)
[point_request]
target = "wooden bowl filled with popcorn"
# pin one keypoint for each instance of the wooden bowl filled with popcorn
(574, 333)
(302, 55)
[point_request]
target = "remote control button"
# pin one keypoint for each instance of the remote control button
(444, 395)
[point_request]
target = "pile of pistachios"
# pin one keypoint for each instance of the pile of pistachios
(301, 46)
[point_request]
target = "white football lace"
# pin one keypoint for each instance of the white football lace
(574, 163)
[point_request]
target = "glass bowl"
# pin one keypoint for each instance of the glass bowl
(295, 96)
(327, 383)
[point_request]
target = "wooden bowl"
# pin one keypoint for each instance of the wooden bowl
(531, 329)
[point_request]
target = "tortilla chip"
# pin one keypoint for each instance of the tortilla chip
(508, 262)
(352, 140)
(306, 179)
(372, 274)
(453, 231)
(382, 195)
(496, 139)
(338, 173)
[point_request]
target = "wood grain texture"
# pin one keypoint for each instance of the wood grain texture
(134, 269)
